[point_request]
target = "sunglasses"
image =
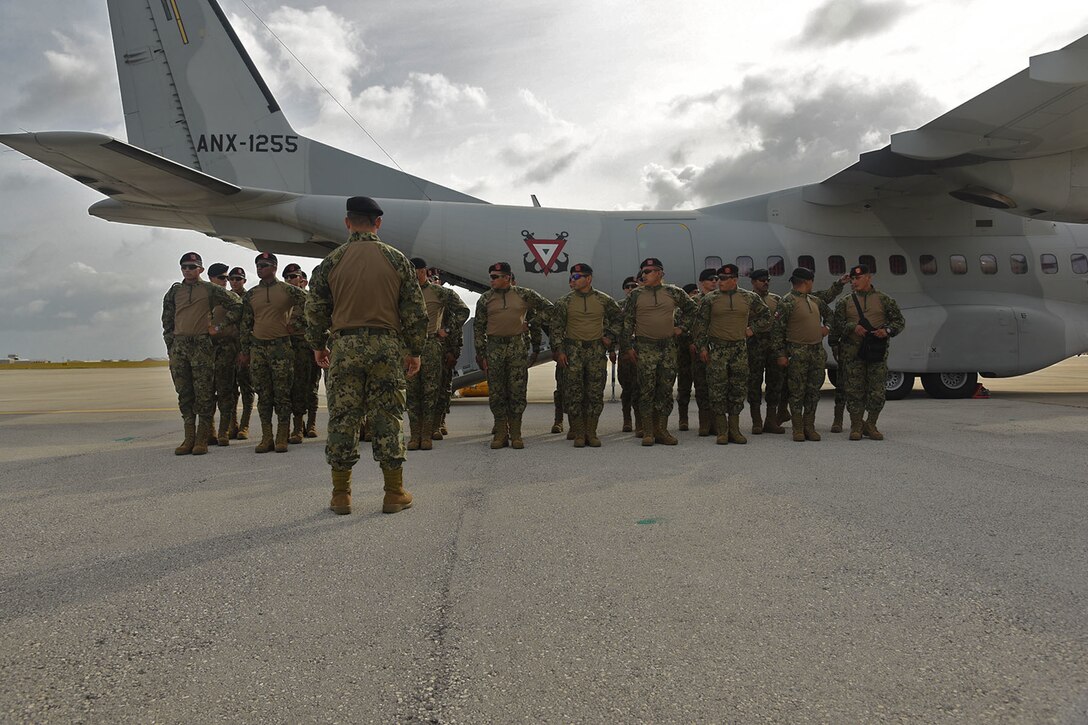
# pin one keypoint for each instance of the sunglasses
(237, 279)
(221, 276)
(726, 276)
(576, 276)
(498, 276)
(190, 267)
(630, 286)
(292, 276)
(265, 265)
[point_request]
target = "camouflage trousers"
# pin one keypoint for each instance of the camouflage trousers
(446, 387)
(656, 375)
(805, 376)
(684, 373)
(627, 374)
(840, 376)
(702, 385)
(272, 369)
(559, 395)
(727, 376)
(226, 369)
(366, 380)
(243, 387)
(507, 376)
(762, 364)
(192, 368)
(584, 378)
(307, 377)
(864, 383)
(426, 399)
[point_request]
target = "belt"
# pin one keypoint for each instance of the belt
(583, 343)
(221, 340)
(659, 342)
(718, 342)
(503, 339)
(365, 331)
(273, 341)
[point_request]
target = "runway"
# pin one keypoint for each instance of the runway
(938, 576)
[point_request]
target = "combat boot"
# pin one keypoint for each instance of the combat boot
(311, 423)
(578, 430)
(203, 433)
(784, 413)
(224, 432)
(438, 433)
(557, 426)
(640, 429)
(855, 426)
(442, 427)
(661, 431)
(627, 419)
(757, 420)
(232, 432)
(682, 410)
(498, 433)
(645, 427)
(212, 439)
(836, 424)
(396, 498)
(723, 436)
(413, 434)
(735, 436)
(515, 432)
(810, 426)
(868, 428)
(570, 428)
(341, 492)
(592, 440)
(296, 431)
(426, 434)
(704, 423)
(243, 424)
(186, 446)
(798, 428)
(266, 443)
(282, 428)
(774, 423)
(713, 424)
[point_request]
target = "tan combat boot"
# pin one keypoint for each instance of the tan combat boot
(735, 436)
(282, 429)
(232, 432)
(203, 433)
(640, 429)
(426, 434)
(311, 423)
(592, 440)
(682, 410)
(723, 435)
(341, 492)
(557, 426)
(442, 427)
(296, 430)
(757, 420)
(414, 437)
(856, 424)
(646, 430)
(836, 424)
(798, 428)
(439, 428)
(869, 427)
(396, 498)
(773, 423)
(186, 446)
(784, 413)
(266, 443)
(515, 432)
(578, 429)
(626, 418)
(243, 424)
(499, 438)
(224, 432)
(213, 439)
(661, 431)
(704, 423)
(570, 427)
(810, 426)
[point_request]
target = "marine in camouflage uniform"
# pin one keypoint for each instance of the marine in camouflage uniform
(627, 373)
(314, 382)
(365, 298)
(762, 364)
(684, 359)
(708, 282)
(865, 381)
(500, 331)
(268, 350)
(302, 380)
(458, 314)
(653, 316)
(186, 326)
(724, 321)
(800, 326)
(584, 323)
(243, 388)
(225, 343)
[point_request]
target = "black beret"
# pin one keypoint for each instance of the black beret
(191, 258)
(364, 205)
(690, 287)
(729, 269)
(292, 268)
(708, 274)
(418, 262)
(267, 257)
(581, 268)
(217, 269)
(503, 267)
(302, 273)
(238, 272)
(629, 281)
(759, 274)
(859, 270)
(651, 262)
(802, 274)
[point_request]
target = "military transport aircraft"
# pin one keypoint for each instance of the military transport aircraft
(973, 222)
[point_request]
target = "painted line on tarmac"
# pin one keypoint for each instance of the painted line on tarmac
(92, 410)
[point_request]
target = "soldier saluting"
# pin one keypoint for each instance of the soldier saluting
(798, 342)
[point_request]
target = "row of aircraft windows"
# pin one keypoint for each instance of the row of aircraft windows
(897, 264)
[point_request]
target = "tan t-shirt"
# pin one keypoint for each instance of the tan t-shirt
(365, 289)
(506, 313)
(192, 310)
(271, 306)
(871, 306)
(729, 317)
(804, 324)
(436, 308)
(655, 311)
(585, 317)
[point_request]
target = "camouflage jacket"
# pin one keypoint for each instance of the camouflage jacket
(832, 293)
(782, 317)
(539, 310)
(685, 310)
(612, 316)
(217, 296)
(759, 316)
(245, 334)
(454, 318)
(297, 323)
(319, 306)
(842, 328)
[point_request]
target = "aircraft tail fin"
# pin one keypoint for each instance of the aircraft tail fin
(191, 93)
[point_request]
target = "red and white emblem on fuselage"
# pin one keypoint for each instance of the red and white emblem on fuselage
(545, 255)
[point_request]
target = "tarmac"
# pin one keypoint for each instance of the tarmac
(939, 576)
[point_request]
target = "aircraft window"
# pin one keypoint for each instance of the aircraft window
(957, 263)
(836, 265)
(897, 263)
(745, 266)
(776, 266)
(869, 261)
(806, 261)
(928, 264)
(1018, 263)
(1049, 263)
(988, 262)
(1080, 263)
(712, 262)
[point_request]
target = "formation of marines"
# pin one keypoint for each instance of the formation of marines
(387, 335)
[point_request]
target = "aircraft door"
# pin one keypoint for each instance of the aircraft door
(671, 243)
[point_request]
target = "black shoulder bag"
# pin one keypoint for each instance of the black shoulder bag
(873, 348)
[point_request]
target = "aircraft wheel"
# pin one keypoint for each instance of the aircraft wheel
(898, 385)
(950, 385)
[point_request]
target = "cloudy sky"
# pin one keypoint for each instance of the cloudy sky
(593, 104)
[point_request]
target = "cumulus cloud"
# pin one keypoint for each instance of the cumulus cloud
(549, 150)
(839, 21)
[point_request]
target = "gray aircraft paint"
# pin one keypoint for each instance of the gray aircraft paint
(225, 161)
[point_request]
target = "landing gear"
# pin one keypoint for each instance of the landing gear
(898, 385)
(950, 385)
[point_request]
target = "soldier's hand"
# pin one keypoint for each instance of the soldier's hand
(748, 332)
(321, 357)
(783, 361)
(442, 334)
(481, 362)
(243, 360)
(845, 278)
(411, 366)
(824, 331)
(677, 332)
(561, 359)
(533, 357)
(881, 332)
(860, 331)
(704, 356)
(451, 360)
(612, 356)
(606, 341)
(631, 356)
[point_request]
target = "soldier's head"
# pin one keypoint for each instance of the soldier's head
(420, 266)
(293, 275)
(191, 267)
(761, 281)
(708, 280)
(860, 278)
(363, 215)
(217, 273)
(801, 279)
(267, 264)
(581, 277)
(237, 278)
(652, 271)
(691, 289)
(629, 286)
(727, 277)
(500, 275)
